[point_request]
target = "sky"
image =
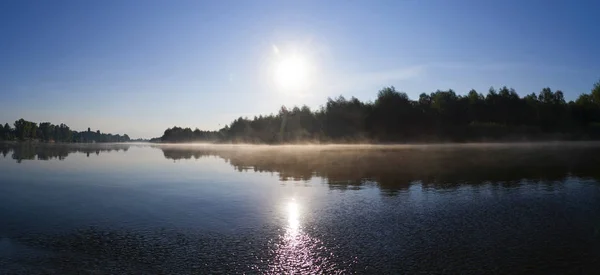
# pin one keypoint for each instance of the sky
(139, 67)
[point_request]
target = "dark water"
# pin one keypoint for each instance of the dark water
(140, 209)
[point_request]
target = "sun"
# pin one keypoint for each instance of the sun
(292, 73)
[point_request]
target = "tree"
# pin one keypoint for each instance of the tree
(8, 132)
(596, 92)
(46, 130)
(25, 129)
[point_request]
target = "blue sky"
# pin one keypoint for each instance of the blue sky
(138, 67)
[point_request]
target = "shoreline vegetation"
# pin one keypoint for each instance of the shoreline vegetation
(439, 117)
(27, 131)
(393, 118)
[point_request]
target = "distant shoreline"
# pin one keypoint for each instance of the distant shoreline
(263, 145)
(323, 144)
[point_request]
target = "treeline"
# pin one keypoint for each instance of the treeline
(47, 132)
(436, 117)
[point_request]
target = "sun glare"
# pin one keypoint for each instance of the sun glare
(292, 73)
(291, 70)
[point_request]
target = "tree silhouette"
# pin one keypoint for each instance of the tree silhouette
(26, 130)
(442, 115)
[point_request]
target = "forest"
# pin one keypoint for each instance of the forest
(47, 132)
(441, 116)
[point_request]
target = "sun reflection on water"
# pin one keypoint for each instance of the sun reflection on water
(298, 252)
(293, 215)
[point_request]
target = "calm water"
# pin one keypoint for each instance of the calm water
(141, 209)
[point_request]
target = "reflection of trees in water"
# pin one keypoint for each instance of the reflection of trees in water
(42, 151)
(395, 168)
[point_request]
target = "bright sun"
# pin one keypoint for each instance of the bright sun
(292, 73)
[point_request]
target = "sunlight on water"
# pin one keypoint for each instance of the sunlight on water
(293, 213)
(294, 253)
(298, 252)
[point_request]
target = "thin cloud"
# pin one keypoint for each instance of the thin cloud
(490, 66)
(378, 78)
(502, 66)
(392, 75)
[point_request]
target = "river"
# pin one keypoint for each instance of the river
(335, 209)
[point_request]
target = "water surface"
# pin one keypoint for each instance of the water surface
(141, 209)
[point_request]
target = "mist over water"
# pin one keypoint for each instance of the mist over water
(196, 209)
